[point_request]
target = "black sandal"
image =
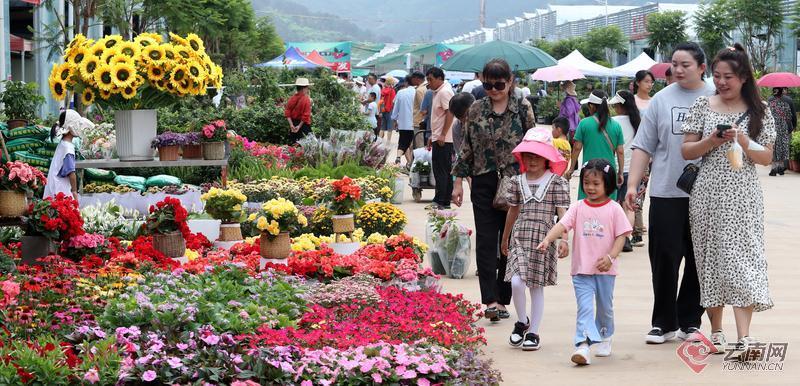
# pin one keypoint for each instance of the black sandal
(491, 314)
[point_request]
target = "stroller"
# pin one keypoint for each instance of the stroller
(420, 181)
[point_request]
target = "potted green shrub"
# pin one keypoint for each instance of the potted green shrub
(794, 152)
(20, 102)
(548, 108)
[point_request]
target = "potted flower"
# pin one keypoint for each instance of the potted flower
(51, 220)
(168, 145)
(226, 206)
(794, 152)
(87, 244)
(423, 169)
(343, 201)
(20, 102)
(275, 219)
(214, 136)
(167, 223)
(192, 146)
(133, 78)
(16, 180)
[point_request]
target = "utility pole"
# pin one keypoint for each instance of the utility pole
(482, 16)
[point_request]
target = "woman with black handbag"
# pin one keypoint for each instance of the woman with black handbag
(495, 125)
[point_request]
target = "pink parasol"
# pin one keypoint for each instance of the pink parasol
(779, 79)
(557, 73)
(659, 70)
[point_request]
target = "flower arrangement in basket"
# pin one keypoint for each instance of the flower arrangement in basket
(143, 73)
(276, 219)
(56, 218)
(192, 145)
(214, 135)
(16, 180)
(381, 217)
(226, 205)
(167, 223)
(343, 201)
(168, 145)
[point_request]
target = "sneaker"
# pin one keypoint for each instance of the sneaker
(719, 342)
(581, 355)
(637, 241)
(691, 334)
(518, 333)
(658, 336)
(397, 161)
(603, 348)
(742, 348)
(627, 247)
(503, 314)
(531, 342)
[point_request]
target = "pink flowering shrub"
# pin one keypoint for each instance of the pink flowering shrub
(20, 177)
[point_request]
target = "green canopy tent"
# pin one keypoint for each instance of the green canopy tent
(520, 57)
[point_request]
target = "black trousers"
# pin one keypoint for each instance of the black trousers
(442, 157)
(305, 129)
(670, 242)
(489, 224)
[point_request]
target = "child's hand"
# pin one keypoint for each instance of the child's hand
(604, 263)
(543, 245)
(563, 249)
(504, 247)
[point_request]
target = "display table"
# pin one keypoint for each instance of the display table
(142, 202)
(156, 163)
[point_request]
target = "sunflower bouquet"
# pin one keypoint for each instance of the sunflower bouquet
(144, 73)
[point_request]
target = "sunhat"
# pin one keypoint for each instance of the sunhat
(390, 80)
(539, 141)
(302, 82)
(593, 99)
(73, 123)
(616, 100)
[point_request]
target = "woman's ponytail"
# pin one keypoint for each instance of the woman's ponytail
(602, 109)
(61, 118)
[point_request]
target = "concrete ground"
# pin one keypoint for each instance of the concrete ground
(632, 360)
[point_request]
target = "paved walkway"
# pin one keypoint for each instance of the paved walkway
(633, 361)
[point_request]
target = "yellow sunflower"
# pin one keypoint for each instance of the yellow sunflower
(169, 51)
(110, 41)
(105, 94)
(129, 92)
(103, 77)
(76, 42)
(58, 88)
(122, 59)
(184, 86)
(195, 43)
(196, 72)
(129, 49)
(63, 71)
(109, 54)
(148, 38)
(153, 54)
(88, 67)
(78, 55)
(123, 74)
(176, 39)
(155, 73)
(97, 49)
(87, 96)
(182, 53)
(179, 73)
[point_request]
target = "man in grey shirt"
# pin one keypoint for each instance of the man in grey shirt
(659, 139)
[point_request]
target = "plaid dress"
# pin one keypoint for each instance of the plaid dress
(536, 218)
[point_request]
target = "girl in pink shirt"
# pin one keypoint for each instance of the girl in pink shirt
(600, 228)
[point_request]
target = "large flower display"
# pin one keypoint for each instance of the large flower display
(144, 73)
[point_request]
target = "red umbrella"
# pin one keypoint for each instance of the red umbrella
(659, 70)
(779, 79)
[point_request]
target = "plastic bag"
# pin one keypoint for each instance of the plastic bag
(134, 182)
(735, 156)
(162, 180)
(433, 252)
(100, 175)
(454, 250)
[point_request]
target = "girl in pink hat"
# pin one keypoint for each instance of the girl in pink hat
(535, 197)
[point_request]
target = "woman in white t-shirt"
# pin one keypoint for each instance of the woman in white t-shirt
(628, 117)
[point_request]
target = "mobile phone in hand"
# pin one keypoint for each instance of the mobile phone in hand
(721, 130)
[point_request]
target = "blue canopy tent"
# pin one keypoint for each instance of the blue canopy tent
(292, 58)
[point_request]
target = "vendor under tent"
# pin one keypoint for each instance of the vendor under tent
(290, 59)
(520, 57)
(585, 66)
(641, 62)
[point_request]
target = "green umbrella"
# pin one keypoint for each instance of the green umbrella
(520, 57)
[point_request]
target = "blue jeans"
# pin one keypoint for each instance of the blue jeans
(593, 325)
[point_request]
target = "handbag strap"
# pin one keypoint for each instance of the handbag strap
(523, 120)
(605, 134)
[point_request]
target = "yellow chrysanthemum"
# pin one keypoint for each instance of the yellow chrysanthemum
(123, 74)
(87, 96)
(103, 77)
(129, 92)
(195, 43)
(155, 73)
(153, 54)
(129, 49)
(63, 71)
(110, 41)
(88, 67)
(58, 88)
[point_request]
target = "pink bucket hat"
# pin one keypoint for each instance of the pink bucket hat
(539, 141)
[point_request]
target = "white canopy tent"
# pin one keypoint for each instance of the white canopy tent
(586, 66)
(641, 62)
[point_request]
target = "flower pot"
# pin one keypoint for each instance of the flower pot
(277, 247)
(15, 123)
(794, 165)
(170, 244)
(208, 228)
(192, 152)
(36, 247)
(345, 249)
(135, 131)
(424, 179)
(168, 153)
(399, 188)
(214, 150)
(12, 203)
(230, 232)
(343, 223)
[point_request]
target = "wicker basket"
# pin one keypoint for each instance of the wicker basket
(214, 150)
(277, 247)
(343, 223)
(12, 204)
(230, 232)
(170, 244)
(192, 152)
(168, 153)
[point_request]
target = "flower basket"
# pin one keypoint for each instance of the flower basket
(192, 152)
(230, 232)
(214, 150)
(170, 244)
(343, 223)
(277, 247)
(12, 204)
(168, 153)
